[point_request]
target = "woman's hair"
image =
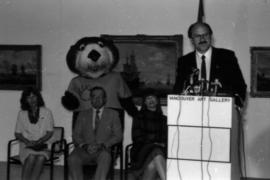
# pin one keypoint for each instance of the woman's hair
(158, 109)
(27, 92)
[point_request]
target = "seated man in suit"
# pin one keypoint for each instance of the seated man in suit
(96, 130)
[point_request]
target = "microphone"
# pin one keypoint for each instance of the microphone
(195, 72)
(239, 101)
(190, 81)
(216, 85)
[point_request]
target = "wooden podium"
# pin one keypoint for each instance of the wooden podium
(199, 137)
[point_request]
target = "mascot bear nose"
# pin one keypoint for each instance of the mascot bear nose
(94, 55)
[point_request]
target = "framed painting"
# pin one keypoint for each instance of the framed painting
(148, 62)
(20, 67)
(260, 71)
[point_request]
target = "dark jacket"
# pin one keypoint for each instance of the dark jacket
(224, 67)
(109, 131)
(148, 129)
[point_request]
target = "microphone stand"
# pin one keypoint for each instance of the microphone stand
(203, 87)
(216, 85)
(192, 82)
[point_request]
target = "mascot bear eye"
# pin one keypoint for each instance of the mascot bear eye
(100, 44)
(82, 47)
(94, 55)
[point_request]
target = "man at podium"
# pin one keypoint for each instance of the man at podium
(208, 67)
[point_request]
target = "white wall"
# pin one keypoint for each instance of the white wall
(57, 24)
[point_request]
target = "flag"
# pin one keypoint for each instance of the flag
(201, 15)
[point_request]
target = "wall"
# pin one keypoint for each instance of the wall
(57, 24)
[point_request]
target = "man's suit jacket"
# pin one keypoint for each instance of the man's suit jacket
(224, 67)
(109, 130)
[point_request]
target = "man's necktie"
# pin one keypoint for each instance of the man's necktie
(203, 68)
(97, 119)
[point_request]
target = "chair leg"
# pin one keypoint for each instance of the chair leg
(8, 170)
(126, 165)
(121, 165)
(51, 169)
(112, 169)
(112, 175)
(65, 167)
(126, 174)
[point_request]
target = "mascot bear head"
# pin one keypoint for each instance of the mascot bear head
(92, 57)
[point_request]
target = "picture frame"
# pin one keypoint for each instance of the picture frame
(20, 67)
(260, 71)
(148, 62)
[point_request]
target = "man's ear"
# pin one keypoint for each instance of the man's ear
(105, 100)
(212, 40)
(191, 41)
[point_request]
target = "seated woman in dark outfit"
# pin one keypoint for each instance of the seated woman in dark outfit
(149, 135)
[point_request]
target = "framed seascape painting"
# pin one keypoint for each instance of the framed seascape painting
(260, 71)
(20, 67)
(148, 62)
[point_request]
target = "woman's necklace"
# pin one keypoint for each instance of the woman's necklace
(33, 116)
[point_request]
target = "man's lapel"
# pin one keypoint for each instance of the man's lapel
(103, 115)
(193, 62)
(103, 118)
(214, 66)
(91, 112)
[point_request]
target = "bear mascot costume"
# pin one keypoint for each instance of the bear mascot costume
(93, 60)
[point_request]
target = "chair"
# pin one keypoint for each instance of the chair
(116, 151)
(58, 144)
(128, 162)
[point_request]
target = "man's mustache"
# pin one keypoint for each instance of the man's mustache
(202, 42)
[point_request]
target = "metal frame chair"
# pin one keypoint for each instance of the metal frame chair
(116, 151)
(58, 145)
(128, 162)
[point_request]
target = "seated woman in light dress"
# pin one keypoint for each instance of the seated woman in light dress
(34, 128)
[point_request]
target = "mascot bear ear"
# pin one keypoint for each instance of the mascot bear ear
(70, 59)
(79, 46)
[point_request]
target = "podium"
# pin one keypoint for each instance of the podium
(199, 137)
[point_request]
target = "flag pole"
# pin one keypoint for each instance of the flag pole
(201, 15)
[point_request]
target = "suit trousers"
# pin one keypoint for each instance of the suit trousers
(80, 157)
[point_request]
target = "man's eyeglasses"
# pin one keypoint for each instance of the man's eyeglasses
(200, 36)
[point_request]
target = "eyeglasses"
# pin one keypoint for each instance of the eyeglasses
(199, 36)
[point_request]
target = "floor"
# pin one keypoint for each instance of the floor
(58, 172)
(58, 175)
